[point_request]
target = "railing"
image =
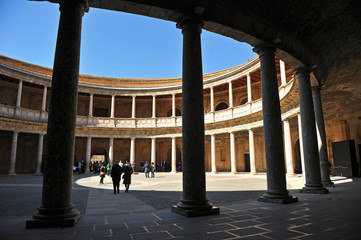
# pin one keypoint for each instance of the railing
(106, 122)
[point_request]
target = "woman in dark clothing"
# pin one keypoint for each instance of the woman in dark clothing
(127, 170)
(102, 173)
(116, 172)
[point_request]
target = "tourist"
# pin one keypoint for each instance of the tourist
(146, 169)
(141, 166)
(102, 174)
(152, 169)
(127, 170)
(109, 167)
(116, 172)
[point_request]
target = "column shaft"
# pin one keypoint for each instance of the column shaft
(212, 99)
(174, 155)
(322, 143)
(133, 106)
(91, 105)
(213, 153)
(56, 206)
(43, 103)
(283, 73)
(310, 151)
(40, 153)
(132, 150)
(20, 90)
(249, 88)
(230, 95)
(288, 147)
(154, 108)
(173, 105)
(233, 153)
(194, 201)
(272, 126)
(14, 144)
(153, 151)
(252, 158)
(111, 142)
(112, 107)
(88, 153)
(301, 145)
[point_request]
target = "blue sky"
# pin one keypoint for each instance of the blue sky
(114, 44)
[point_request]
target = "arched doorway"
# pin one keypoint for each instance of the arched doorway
(177, 112)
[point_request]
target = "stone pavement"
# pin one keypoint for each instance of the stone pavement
(144, 212)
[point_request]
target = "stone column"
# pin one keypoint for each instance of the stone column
(194, 201)
(111, 141)
(39, 154)
(230, 95)
(272, 126)
(174, 155)
(173, 105)
(310, 151)
(249, 88)
(91, 105)
(233, 153)
(153, 151)
(252, 158)
(322, 143)
(154, 108)
(283, 73)
(20, 90)
(213, 153)
(133, 106)
(14, 144)
(288, 147)
(88, 153)
(43, 103)
(212, 99)
(301, 145)
(56, 208)
(132, 150)
(112, 107)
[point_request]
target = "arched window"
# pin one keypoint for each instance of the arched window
(221, 106)
(244, 101)
(177, 112)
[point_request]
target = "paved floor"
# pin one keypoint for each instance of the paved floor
(144, 212)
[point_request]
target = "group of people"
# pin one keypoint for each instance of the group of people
(148, 168)
(116, 172)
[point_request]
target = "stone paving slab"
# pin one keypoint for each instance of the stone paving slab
(136, 215)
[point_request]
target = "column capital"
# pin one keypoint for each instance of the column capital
(302, 70)
(134, 96)
(264, 48)
(188, 21)
(65, 5)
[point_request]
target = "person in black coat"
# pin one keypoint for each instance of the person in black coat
(127, 170)
(116, 172)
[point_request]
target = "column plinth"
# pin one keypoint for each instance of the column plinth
(273, 137)
(56, 208)
(309, 137)
(194, 201)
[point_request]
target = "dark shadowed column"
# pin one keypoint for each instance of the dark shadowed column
(309, 137)
(194, 201)
(322, 152)
(272, 126)
(56, 208)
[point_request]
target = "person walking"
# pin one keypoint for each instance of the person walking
(152, 169)
(116, 172)
(127, 177)
(146, 169)
(109, 167)
(102, 173)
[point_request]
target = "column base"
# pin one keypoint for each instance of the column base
(282, 199)
(13, 174)
(195, 212)
(328, 184)
(317, 190)
(42, 221)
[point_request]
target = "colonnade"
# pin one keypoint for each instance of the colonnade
(56, 208)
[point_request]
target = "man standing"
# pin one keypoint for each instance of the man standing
(116, 172)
